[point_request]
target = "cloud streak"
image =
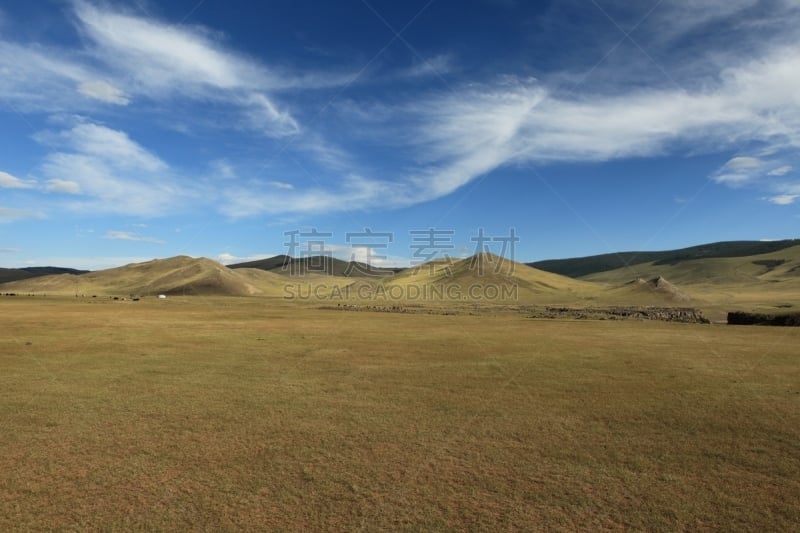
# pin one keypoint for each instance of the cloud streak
(463, 134)
(103, 91)
(133, 237)
(7, 181)
(108, 172)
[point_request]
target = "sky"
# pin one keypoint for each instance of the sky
(393, 132)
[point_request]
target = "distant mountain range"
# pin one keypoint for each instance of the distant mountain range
(714, 277)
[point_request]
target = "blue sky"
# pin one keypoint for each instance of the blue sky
(139, 129)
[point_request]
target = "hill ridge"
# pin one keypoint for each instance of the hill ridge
(576, 267)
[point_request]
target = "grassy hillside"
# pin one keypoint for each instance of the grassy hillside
(180, 275)
(177, 275)
(773, 267)
(655, 291)
(484, 278)
(764, 283)
(585, 266)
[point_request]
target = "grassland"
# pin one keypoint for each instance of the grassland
(254, 413)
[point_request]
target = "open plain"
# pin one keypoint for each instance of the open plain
(212, 413)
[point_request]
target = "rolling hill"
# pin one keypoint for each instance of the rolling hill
(483, 278)
(773, 267)
(176, 275)
(655, 291)
(766, 282)
(584, 266)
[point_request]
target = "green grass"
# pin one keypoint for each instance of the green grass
(256, 414)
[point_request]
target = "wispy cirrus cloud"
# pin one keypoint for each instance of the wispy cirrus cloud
(10, 214)
(780, 171)
(126, 56)
(158, 60)
(41, 78)
(227, 258)
(103, 143)
(108, 172)
(63, 186)
(281, 185)
(474, 129)
(104, 91)
(133, 237)
(7, 181)
(783, 199)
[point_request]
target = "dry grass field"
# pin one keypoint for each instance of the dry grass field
(253, 413)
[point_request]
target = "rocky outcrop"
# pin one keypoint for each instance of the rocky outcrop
(665, 314)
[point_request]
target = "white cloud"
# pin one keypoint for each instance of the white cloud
(164, 56)
(263, 115)
(161, 56)
(437, 66)
(735, 179)
(221, 168)
(738, 163)
(104, 91)
(281, 185)
(376, 257)
(741, 171)
(354, 193)
(230, 259)
(10, 214)
(467, 132)
(127, 236)
(679, 17)
(780, 171)
(124, 55)
(111, 172)
(783, 199)
(7, 181)
(63, 186)
(39, 78)
(163, 59)
(106, 144)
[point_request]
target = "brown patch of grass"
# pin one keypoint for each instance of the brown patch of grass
(252, 414)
